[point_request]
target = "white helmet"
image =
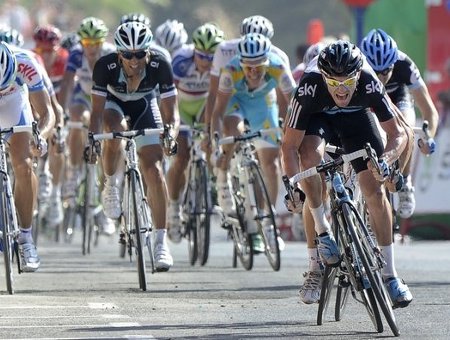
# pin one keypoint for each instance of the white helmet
(171, 35)
(133, 36)
(257, 24)
(8, 66)
(312, 52)
(254, 46)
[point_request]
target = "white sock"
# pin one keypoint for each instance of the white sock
(321, 224)
(25, 236)
(160, 235)
(221, 176)
(56, 190)
(314, 260)
(388, 254)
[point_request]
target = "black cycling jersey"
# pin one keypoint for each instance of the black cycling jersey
(404, 75)
(140, 105)
(314, 111)
(109, 78)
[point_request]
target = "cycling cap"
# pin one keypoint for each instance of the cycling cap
(133, 36)
(70, 40)
(92, 28)
(340, 59)
(171, 35)
(207, 37)
(257, 24)
(11, 36)
(380, 49)
(312, 52)
(8, 66)
(48, 34)
(138, 17)
(253, 46)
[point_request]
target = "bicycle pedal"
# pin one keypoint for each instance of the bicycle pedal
(226, 225)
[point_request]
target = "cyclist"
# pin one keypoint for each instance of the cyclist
(76, 94)
(402, 78)
(124, 86)
(247, 92)
(335, 98)
(139, 17)
(21, 88)
(171, 35)
(191, 65)
(47, 40)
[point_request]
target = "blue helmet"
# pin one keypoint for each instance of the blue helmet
(380, 49)
(8, 66)
(254, 46)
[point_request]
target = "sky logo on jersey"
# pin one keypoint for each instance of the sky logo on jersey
(308, 90)
(27, 71)
(374, 87)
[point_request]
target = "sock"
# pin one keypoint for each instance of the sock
(56, 190)
(321, 224)
(221, 176)
(388, 270)
(25, 235)
(160, 235)
(314, 260)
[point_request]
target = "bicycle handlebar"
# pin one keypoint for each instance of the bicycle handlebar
(126, 134)
(248, 136)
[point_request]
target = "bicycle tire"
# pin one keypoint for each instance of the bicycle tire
(7, 240)
(328, 279)
(242, 241)
(265, 216)
(189, 211)
(87, 216)
(136, 201)
(369, 262)
(203, 210)
(342, 294)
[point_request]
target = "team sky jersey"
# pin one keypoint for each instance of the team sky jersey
(192, 85)
(405, 75)
(227, 49)
(312, 97)
(78, 64)
(109, 79)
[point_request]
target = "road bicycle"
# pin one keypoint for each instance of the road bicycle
(136, 223)
(197, 200)
(9, 228)
(359, 272)
(252, 201)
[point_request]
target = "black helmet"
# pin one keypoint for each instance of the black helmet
(340, 59)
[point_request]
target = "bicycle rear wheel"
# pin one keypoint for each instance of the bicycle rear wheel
(7, 239)
(243, 245)
(265, 218)
(371, 265)
(203, 210)
(136, 202)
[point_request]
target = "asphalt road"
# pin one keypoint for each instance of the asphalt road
(97, 297)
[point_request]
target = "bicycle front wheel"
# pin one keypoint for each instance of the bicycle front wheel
(202, 211)
(7, 239)
(325, 292)
(136, 202)
(371, 265)
(265, 216)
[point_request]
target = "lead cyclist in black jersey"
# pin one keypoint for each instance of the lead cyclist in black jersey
(124, 86)
(405, 87)
(334, 99)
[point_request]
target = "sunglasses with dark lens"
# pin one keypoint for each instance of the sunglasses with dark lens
(204, 56)
(130, 55)
(386, 71)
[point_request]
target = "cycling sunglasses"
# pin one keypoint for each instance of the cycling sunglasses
(204, 55)
(130, 55)
(91, 42)
(386, 71)
(257, 67)
(350, 82)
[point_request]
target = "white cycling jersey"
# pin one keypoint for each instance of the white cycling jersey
(15, 108)
(227, 49)
(79, 64)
